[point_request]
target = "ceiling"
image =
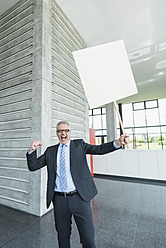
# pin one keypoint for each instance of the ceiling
(141, 24)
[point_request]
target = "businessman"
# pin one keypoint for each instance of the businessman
(70, 185)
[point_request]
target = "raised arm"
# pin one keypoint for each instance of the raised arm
(35, 145)
(106, 147)
(33, 162)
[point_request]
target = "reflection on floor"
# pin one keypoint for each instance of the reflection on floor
(126, 215)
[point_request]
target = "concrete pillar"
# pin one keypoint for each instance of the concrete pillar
(39, 85)
(111, 122)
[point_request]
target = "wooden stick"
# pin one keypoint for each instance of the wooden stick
(120, 121)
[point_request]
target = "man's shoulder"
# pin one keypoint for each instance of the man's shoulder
(53, 147)
(77, 142)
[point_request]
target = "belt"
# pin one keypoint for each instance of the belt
(67, 194)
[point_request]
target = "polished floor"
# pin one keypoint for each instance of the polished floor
(126, 215)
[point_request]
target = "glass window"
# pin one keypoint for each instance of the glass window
(154, 131)
(140, 138)
(104, 132)
(129, 131)
(152, 116)
(154, 137)
(138, 105)
(104, 121)
(155, 145)
(163, 131)
(98, 140)
(103, 110)
(162, 108)
(139, 118)
(140, 131)
(127, 114)
(151, 104)
(97, 111)
(140, 141)
(90, 122)
(97, 122)
(90, 112)
(145, 122)
(98, 132)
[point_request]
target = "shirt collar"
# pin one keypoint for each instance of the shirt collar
(67, 144)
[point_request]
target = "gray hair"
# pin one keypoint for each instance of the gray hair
(62, 122)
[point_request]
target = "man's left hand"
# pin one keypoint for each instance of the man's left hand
(123, 140)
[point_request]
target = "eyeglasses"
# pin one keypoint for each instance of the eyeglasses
(63, 130)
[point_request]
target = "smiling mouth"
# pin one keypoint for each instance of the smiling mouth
(63, 138)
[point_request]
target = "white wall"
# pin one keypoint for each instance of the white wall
(149, 164)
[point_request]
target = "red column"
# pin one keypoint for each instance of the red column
(92, 142)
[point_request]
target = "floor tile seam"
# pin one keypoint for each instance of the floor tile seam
(18, 235)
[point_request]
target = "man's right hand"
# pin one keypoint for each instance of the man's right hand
(36, 144)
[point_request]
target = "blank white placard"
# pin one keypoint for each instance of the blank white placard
(105, 73)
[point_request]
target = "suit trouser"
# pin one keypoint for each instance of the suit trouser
(64, 208)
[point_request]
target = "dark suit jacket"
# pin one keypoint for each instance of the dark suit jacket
(78, 165)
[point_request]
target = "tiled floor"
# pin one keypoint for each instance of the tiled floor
(126, 215)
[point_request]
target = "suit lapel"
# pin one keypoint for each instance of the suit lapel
(72, 155)
(55, 157)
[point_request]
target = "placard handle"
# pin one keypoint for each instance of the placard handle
(120, 121)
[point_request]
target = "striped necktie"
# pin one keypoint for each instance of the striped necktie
(63, 174)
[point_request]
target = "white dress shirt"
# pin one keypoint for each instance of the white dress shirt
(114, 144)
(70, 183)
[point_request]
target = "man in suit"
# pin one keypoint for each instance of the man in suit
(70, 185)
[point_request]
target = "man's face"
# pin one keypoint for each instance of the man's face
(63, 133)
